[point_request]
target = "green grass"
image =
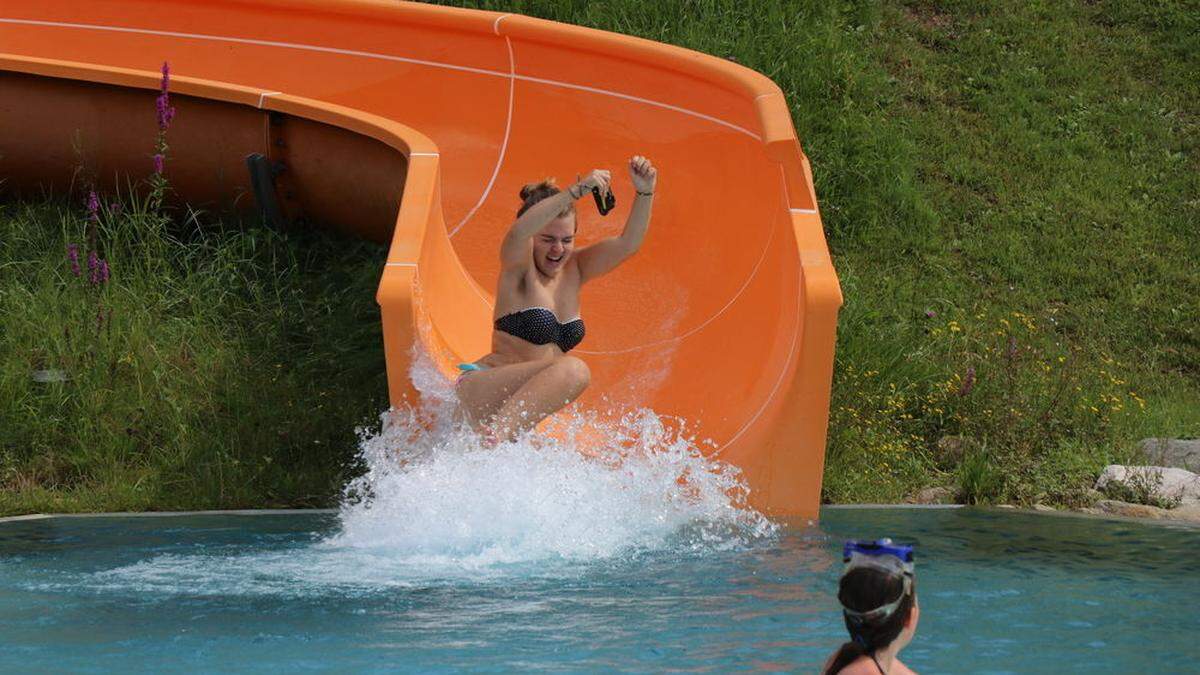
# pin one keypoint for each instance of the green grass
(976, 160)
(1027, 173)
(219, 367)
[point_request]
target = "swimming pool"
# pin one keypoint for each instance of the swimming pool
(1001, 591)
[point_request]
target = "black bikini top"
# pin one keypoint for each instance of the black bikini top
(541, 327)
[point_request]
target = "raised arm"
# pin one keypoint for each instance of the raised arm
(604, 256)
(514, 250)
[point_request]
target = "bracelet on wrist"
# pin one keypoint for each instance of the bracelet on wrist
(645, 194)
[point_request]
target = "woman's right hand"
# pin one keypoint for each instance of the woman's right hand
(598, 178)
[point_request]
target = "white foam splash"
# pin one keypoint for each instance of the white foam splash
(590, 489)
(593, 489)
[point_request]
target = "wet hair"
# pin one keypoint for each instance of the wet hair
(536, 192)
(863, 589)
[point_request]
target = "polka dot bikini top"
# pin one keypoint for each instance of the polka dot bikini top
(540, 326)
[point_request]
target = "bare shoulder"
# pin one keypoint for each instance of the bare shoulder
(863, 665)
(900, 669)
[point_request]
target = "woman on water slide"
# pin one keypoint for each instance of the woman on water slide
(528, 375)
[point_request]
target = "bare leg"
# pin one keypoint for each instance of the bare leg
(482, 393)
(545, 393)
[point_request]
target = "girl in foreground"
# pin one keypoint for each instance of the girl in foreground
(879, 605)
(528, 375)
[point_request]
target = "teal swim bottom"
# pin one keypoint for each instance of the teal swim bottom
(467, 368)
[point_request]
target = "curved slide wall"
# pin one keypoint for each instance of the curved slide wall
(726, 317)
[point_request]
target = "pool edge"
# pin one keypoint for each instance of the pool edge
(1061, 513)
(166, 514)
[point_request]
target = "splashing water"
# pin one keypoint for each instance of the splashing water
(587, 489)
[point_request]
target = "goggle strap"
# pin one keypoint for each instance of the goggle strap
(882, 611)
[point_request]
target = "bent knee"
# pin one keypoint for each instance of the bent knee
(575, 371)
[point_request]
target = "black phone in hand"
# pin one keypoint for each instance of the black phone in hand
(604, 203)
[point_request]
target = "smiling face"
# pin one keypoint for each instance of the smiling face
(552, 246)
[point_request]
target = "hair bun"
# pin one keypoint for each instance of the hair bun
(531, 188)
(535, 192)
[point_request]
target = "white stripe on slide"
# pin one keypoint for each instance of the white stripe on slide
(512, 86)
(376, 55)
(496, 23)
(782, 371)
(647, 101)
(251, 41)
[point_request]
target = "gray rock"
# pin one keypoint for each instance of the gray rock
(1164, 483)
(933, 495)
(1189, 513)
(1113, 507)
(1180, 454)
(1043, 507)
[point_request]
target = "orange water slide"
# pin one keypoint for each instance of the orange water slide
(417, 125)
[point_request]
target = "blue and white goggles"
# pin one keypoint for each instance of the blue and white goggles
(887, 557)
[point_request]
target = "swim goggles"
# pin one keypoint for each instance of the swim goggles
(887, 557)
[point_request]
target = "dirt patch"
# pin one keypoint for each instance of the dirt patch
(929, 17)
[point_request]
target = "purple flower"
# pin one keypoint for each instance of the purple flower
(93, 267)
(93, 206)
(158, 163)
(166, 112)
(968, 382)
(115, 208)
(929, 314)
(73, 257)
(103, 272)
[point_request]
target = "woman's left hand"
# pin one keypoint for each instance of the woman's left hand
(642, 173)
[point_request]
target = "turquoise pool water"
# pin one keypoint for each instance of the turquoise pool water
(1001, 592)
